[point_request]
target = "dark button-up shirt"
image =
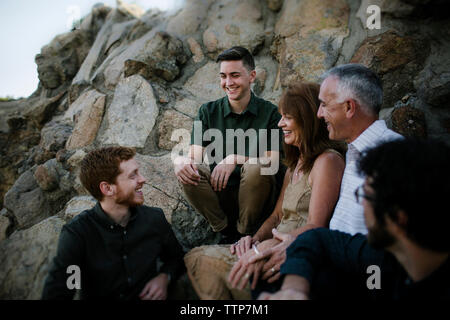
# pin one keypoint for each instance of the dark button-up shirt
(260, 115)
(342, 253)
(115, 262)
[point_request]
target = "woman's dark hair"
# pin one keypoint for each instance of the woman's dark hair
(412, 175)
(236, 54)
(300, 101)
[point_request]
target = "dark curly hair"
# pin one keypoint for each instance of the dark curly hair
(412, 175)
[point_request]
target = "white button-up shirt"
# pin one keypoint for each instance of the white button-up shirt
(348, 215)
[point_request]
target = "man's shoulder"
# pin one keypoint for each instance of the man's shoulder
(80, 221)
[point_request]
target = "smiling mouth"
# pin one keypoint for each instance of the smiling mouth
(287, 132)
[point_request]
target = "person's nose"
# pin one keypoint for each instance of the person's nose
(281, 123)
(142, 179)
(320, 112)
(229, 81)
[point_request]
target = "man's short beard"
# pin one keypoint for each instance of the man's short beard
(127, 200)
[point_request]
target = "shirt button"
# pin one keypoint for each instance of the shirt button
(125, 257)
(129, 280)
(112, 227)
(125, 232)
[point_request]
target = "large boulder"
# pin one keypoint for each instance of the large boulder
(171, 121)
(60, 60)
(205, 83)
(88, 122)
(189, 19)
(27, 258)
(97, 54)
(396, 59)
(38, 193)
(132, 114)
(156, 55)
(234, 23)
(308, 38)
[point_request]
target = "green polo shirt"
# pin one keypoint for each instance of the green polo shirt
(223, 132)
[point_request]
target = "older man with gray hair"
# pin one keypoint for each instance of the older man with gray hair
(350, 97)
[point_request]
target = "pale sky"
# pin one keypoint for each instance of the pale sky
(28, 25)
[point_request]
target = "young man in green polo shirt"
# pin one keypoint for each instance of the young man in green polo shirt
(234, 191)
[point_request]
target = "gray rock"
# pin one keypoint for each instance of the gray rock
(88, 123)
(234, 23)
(29, 255)
(77, 205)
(190, 18)
(192, 229)
(5, 224)
(161, 189)
(60, 60)
(46, 175)
(96, 55)
(54, 136)
(162, 58)
(159, 54)
(29, 204)
(205, 83)
(308, 38)
(433, 82)
(170, 122)
(132, 114)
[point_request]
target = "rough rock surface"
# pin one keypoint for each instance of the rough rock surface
(132, 114)
(29, 253)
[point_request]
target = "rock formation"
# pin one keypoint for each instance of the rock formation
(136, 78)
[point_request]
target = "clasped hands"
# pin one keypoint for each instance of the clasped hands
(265, 261)
(187, 172)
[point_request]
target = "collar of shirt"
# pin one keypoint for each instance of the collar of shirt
(366, 139)
(252, 107)
(106, 221)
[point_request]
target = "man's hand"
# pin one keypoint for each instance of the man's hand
(222, 172)
(156, 288)
(186, 171)
(274, 256)
(287, 294)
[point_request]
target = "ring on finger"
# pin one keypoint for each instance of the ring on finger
(272, 269)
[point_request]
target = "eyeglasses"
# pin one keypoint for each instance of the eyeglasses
(360, 194)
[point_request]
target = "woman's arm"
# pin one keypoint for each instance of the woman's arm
(325, 180)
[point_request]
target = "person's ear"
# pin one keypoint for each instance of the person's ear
(252, 76)
(397, 226)
(350, 108)
(106, 189)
